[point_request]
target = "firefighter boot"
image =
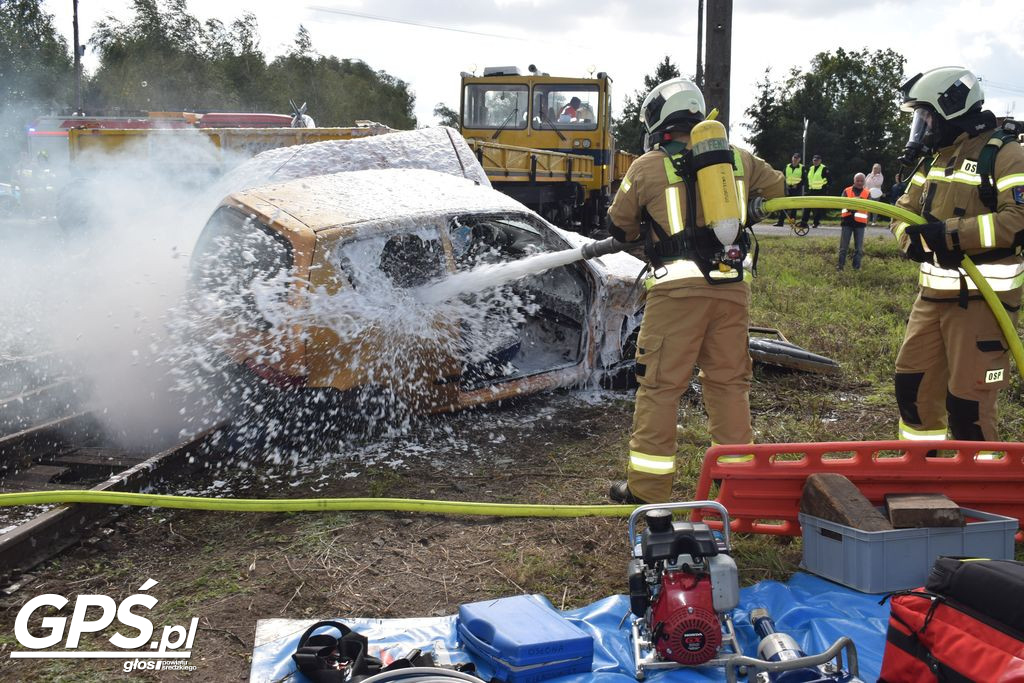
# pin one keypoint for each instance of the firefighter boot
(619, 493)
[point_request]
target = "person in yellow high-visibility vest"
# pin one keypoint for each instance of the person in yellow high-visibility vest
(817, 182)
(695, 314)
(796, 178)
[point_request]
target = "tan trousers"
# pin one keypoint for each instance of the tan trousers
(949, 371)
(676, 333)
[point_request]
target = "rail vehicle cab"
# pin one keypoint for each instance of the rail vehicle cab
(542, 113)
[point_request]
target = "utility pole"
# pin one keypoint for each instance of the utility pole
(803, 155)
(698, 75)
(719, 57)
(78, 61)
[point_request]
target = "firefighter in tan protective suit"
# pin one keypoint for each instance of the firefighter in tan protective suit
(687, 319)
(970, 186)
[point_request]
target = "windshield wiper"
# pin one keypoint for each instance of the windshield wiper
(512, 114)
(551, 123)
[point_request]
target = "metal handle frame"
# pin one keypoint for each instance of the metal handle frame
(690, 505)
(755, 666)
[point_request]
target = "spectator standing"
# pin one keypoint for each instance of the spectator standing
(873, 182)
(853, 222)
(795, 180)
(817, 180)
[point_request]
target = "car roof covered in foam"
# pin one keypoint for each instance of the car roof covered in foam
(380, 195)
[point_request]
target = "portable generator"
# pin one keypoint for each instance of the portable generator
(683, 586)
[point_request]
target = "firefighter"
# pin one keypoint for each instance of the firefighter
(970, 185)
(687, 319)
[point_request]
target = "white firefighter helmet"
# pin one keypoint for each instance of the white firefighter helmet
(676, 103)
(950, 91)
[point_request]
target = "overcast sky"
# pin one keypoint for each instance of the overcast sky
(624, 39)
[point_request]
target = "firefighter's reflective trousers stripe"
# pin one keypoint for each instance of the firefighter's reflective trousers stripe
(949, 371)
(677, 333)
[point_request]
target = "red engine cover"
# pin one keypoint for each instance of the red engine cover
(684, 621)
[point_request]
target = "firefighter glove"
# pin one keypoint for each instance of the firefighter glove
(635, 249)
(934, 235)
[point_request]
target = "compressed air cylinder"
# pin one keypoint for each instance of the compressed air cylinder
(716, 184)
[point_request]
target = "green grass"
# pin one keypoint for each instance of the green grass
(854, 317)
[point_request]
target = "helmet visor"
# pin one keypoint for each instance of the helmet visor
(919, 125)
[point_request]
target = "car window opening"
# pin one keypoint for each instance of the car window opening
(553, 304)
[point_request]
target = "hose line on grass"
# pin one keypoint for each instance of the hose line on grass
(871, 206)
(444, 507)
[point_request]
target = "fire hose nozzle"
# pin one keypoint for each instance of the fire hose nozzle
(603, 247)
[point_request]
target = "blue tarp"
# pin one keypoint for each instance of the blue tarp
(814, 611)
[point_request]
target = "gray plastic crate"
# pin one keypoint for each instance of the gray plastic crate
(884, 561)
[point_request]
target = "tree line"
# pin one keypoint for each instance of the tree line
(162, 58)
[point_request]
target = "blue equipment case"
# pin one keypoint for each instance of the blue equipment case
(524, 639)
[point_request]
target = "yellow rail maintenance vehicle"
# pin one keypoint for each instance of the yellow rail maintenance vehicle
(190, 157)
(545, 141)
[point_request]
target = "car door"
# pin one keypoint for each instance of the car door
(371, 334)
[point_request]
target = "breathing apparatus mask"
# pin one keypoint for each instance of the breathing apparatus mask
(927, 129)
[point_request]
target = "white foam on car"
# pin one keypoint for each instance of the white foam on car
(437, 149)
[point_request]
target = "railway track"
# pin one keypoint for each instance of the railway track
(48, 441)
(71, 453)
(35, 389)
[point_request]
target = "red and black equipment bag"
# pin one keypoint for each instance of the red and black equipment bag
(965, 626)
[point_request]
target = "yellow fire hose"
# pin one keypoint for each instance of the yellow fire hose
(871, 206)
(444, 507)
(452, 507)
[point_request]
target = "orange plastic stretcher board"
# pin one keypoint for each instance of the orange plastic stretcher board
(763, 495)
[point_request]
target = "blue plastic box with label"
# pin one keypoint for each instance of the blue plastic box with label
(524, 639)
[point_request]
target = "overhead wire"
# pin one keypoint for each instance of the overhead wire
(410, 22)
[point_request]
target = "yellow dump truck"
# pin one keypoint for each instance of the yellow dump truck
(546, 141)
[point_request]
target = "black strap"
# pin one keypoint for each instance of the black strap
(718, 156)
(325, 658)
(913, 646)
(987, 166)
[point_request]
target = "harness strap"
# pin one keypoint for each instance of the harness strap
(325, 658)
(987, 166)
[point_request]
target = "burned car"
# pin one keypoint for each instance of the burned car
(322, 280)
(319, 282)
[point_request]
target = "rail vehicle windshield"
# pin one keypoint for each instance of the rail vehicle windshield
(572, 106)
(487, 105)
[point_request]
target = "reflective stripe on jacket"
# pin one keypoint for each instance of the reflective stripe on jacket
(948, 191)
(859, 216)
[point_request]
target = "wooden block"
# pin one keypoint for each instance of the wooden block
(834, 497)
(915, 510)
